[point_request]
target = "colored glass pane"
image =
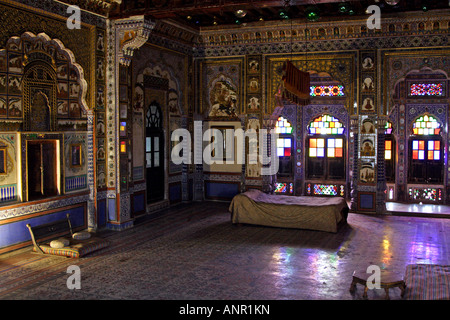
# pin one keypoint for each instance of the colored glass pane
(284, 147)
(287, 152)
(326, 189)
(327, 91)
(421, 155)
(388, 128)
(388, 154)
(427, 89)
(421, 145)
(283, 126)
(388, 145)
(426, 125)
(326, 125)
(280, 187)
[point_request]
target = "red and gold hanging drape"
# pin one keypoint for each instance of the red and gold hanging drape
(294, 86)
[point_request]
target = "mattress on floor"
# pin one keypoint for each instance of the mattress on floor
(427, 282)
(302, 212)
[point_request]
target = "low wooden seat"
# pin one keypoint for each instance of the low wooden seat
(388, 279)
(42, 234)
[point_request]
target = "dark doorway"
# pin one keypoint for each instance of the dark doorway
(154, 153)
(42, 169)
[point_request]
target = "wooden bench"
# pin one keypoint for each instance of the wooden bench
(42, 235)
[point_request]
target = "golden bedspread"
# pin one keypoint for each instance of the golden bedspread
(302, 212)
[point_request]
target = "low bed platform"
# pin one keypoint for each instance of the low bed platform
(300, 212)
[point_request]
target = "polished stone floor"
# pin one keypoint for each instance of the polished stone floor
(192, 252)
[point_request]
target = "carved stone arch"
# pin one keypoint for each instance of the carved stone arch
(40, 89)
(167, 73)
(42, 48)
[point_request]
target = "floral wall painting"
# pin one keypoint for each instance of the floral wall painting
(223, 98)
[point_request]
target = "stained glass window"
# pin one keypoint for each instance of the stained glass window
(426, 194)
(327, 91)
(325, 124)
(283, 126)
(426, 125)
(427, 89)
(388, 128)
(284, 147)
(283, 187)
(334, 147)
(388, 149)
(325, 189)
(431, 149)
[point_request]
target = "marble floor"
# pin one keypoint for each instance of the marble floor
(193, 252)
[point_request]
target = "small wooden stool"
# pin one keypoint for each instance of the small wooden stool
(388, 280)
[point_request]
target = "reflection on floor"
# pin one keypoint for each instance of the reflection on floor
(192, 251)
(419, 210)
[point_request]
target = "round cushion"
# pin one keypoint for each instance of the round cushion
(59, 243)
(82, 235)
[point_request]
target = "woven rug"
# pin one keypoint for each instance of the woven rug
(427, 282)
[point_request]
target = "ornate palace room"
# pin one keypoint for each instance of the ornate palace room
(224, 150)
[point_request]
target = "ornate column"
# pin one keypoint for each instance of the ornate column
(381, 171)
(354, 129)
(92, 213)
(124, 37)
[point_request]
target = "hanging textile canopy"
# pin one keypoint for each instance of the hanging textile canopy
(294, 86)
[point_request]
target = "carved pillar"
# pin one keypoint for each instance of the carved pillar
(92, 185)
(124, 37)
(381, 171)
(354, 128)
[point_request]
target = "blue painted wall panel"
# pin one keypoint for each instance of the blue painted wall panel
(139, 203)
(221, 190)
(17, 232)
(175, 192)
(101, 213)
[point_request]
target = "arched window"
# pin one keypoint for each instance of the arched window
(389, 152)
(284, 147)
(325, 158)
(426, 151)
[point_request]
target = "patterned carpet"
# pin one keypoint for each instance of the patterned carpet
(193, 252)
